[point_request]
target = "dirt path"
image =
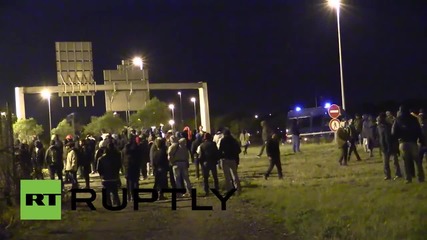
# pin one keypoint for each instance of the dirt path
(157, 220)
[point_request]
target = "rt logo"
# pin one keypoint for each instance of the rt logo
(40, 200)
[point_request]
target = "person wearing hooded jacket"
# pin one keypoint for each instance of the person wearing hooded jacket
(178, 156)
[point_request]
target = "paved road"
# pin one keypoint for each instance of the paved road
(156, 220)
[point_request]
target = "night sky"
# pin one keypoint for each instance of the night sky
(256, 56)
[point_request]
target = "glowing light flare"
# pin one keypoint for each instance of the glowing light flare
(137, 61)
(298, 109)
(334, 3)
(171, 122)
(327, 105)
(171, 106)
(193, 99)
(45, 94)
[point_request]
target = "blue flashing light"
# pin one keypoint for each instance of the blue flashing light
(298, 109)
(327, 105)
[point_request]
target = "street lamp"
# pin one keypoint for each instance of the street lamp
(172, 108)
(180, 106)
(137, 61)
(172, 123)
(195, 112)
(336, 4)
(256, 116)
(46, 95)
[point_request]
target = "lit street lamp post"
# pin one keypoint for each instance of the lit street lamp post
(180, 110)
(172, 108)
(172, 123)
(195, 112)
(336, 5)
(46, 95)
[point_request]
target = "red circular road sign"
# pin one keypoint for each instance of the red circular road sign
(334, 124)
(334, 111)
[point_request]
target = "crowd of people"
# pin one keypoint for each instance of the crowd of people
(167, 156)
(403, 135)
(137, 155)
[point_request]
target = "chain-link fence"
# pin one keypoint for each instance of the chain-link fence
(9, 183)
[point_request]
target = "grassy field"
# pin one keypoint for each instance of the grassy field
(321, 200)
(317, 199)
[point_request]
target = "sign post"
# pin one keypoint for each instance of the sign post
(334, 112)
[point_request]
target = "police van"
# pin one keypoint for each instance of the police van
(313, 124)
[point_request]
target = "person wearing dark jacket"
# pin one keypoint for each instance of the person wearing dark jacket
(38, 160)
(144, 148)
(388, 146)
(54, 162)
(209, 157)
(354, 138)
(132, 165)
(229, 151)
(109, 171)
(273, 153)
(358, 124)
(342, 141)
(84, 160)
(407, 129)
(160, 166)
(196, 143)
(23, 160)
(423, 123)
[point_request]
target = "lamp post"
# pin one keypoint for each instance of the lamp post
(139, 62)
(180, 110)
(46, 95)
(172, 108)
(336, 5)
(195, 112)
(172, 123)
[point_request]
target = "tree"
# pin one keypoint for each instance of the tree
(108, 122)
(154, 113)
(63, 129)
(25, 129)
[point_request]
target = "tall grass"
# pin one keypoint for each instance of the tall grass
(318, 199)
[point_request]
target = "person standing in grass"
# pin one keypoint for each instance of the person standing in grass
(265, 136)
(273, 153)
(179, 156)
(354, 138)
(388, 146)
(343, 137)
(244, 141)
(407, 129)
(229, 150)
(209, 157)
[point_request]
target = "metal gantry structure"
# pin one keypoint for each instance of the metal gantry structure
(126, 89)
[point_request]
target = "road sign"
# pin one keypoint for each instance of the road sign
(334, 124)
(334, 111)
